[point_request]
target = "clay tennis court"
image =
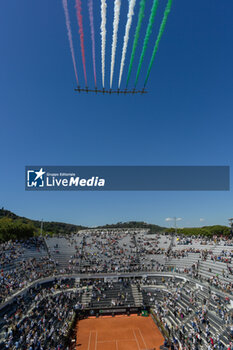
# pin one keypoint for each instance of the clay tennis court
(118, 333)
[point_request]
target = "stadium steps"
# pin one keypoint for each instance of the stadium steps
(137, 295)
(210, 268)
(175, 321)
(215, 328)
(62, 250)
(218, 325)
(111, 296)
(86, 296)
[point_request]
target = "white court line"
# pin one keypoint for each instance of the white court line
(96, 340)
(112, 341)
(142, 338)
(106, 341)
(89, 341)
(116, 345)
(136, 340)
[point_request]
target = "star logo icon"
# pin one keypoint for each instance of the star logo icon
(39, 174)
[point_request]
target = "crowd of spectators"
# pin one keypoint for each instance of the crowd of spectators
(41, 318)
(10, 251)
(187, 319)
(111, 293)
(110, 252)
(22, 263)
(13, 251)
(24, 273)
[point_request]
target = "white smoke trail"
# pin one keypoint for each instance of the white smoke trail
(103, 35)
(117, 8)
(126, 37)
(68, 26)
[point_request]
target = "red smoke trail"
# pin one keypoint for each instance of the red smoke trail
(80, 23)
(67, 17)
(90, 6)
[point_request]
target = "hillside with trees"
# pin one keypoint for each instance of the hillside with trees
(14, 227)
(203, 231)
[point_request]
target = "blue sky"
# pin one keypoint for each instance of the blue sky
(186, 118)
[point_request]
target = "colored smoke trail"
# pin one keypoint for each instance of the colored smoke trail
(126, 37)
(161, 30)
(136, 37)
(103, 36)
(67, 18)
(80, 24)
(117, 8)
(91, 16)
(147, 37)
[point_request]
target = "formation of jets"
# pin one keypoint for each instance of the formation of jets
(110, 91)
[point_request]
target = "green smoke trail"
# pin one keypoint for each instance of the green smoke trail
(148, 33)
(136, 37)
(161, 30)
